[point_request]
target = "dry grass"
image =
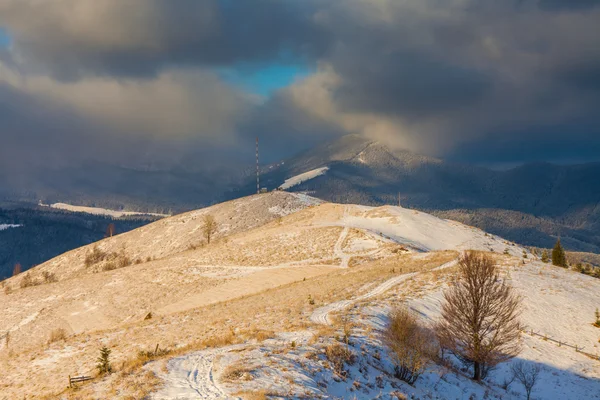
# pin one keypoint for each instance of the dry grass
(339, 355)
(236, 372)
(284, 308)
(253, 395)
(57, 335)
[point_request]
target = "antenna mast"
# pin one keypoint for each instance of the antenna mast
(257, 170)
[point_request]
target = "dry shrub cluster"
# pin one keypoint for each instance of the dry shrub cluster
(28, 281)
(94, 257)
(236, 372)
(112, 260)
(57, 335)
(339, 355)
(255, 395)
(49, 277)
(412, 346)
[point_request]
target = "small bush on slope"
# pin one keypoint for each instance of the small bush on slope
(527, 374)
(411, 345)
(56, 335)
(103, 364)
(339, 355)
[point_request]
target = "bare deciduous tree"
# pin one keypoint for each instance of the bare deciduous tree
(480, 316)
(412, 345)
(527, 374)
(110, 230)
(209, 227)
(17, 269)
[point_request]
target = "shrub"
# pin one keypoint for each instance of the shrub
(49, 277)
(411, 345)
(597, 323)
(146, 355)
(123, 261)
(109, 266)
(527, 374)
(57, 335)
(235, 373)
(339, 355)
(28, 281)
(94, 257)
(103, 362)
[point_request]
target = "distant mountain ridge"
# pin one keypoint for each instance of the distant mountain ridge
(532, 204)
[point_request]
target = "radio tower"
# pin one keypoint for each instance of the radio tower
(257, 170)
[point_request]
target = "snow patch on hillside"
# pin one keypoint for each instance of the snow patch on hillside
(298, 179)
(8, 226)
(98, 210)
(425, 232)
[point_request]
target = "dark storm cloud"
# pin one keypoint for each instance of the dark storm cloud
(444, 77)
(409, 84)
(131, 38)
(558, 5)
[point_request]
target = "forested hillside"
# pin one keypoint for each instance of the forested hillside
(46, 233)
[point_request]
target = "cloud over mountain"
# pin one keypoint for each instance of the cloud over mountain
(471, 80)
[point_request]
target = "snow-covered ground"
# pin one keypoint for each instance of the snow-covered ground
(298, 179)
(8, 226)
(98, 210)
(559, 303)
(270, 252)
(423, 231)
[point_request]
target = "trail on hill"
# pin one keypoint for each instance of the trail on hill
(321, 315)
(191, 377)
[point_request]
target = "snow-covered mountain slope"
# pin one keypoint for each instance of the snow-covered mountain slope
(531, 204)
(298, 179)
(280, 266)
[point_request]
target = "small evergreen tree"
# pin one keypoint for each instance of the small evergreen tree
(103, 365)
(545, 256)
(558, 255)
(597, 323)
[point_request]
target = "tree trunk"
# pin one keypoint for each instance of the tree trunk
(476, 372)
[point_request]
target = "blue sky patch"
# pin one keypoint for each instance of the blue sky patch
(4, 38)
(266, 79)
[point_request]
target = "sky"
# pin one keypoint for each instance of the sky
(186, 84)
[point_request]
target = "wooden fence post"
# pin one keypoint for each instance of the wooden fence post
(156, 350)
(69, 380)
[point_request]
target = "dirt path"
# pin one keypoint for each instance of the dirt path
(321, 315)
(338, 251)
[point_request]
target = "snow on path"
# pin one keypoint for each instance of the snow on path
(191, 377)
(321, 315)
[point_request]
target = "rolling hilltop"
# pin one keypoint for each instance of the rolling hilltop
(253, 312)
(532, 204)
